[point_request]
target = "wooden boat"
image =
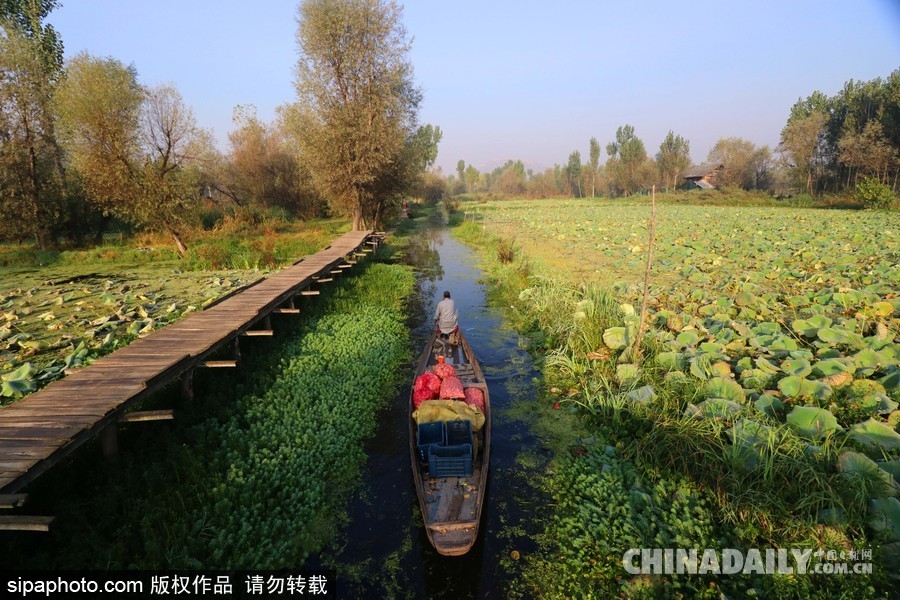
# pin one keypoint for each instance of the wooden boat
(451, 506)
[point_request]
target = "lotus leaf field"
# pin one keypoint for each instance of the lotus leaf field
(60, 309)
(770, 368)
(784, 307)
(49, 324)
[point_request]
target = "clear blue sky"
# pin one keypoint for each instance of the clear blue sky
(525, 79)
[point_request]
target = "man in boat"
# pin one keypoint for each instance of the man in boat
(446, 317)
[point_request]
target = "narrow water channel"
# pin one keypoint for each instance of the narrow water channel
(384, 550)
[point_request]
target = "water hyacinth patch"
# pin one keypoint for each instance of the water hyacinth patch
(296, 435)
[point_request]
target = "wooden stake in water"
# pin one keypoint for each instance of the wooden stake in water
(636, 353)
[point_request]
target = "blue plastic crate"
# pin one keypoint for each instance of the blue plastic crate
(429, 434)
(450, 461)
(458, 432)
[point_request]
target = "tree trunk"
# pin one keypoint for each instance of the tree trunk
(357, 219)
(104, 223)
(39, 225)
(182, 249)
(378, 216)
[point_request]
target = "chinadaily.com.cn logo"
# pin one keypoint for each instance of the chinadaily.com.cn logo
(769, 561)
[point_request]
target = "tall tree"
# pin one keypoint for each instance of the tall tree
(594, 165)
(169, 179)
(509, 179)
(852, 118)
(761, 164)
(472, 176)
(357, 103)
(626, 156)
(133, 148)
(869, 153)
(262, 168)
(802, 142)
(429, 185)
(99, 107)
(673, 158)
(427, 139)
(31, 172)
(573, 173)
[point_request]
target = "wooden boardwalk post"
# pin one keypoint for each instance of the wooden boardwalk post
(187, 388)
(109, 441)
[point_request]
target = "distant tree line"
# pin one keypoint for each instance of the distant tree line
(84, 142)
(829, 144)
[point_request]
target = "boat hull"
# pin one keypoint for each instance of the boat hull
(451, 506)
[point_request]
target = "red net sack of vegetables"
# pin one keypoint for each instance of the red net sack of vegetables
(430, 382)
(475, 397)
(444, 370)
(420, 395)
(452, 389)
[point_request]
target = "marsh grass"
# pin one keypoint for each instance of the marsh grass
(505, 252)
(231, 244)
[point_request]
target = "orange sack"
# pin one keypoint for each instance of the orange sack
(452, 389)
(475, 397)
(429, 381)
(420, 395)
(444, 370)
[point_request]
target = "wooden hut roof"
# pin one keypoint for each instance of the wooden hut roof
(701, 170)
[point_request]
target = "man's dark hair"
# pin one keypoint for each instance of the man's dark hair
(446, 294)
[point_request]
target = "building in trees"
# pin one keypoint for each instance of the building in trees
(706, 176)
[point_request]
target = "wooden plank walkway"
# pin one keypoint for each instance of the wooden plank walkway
(41, 429)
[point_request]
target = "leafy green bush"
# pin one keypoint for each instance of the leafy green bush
(874, 194)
